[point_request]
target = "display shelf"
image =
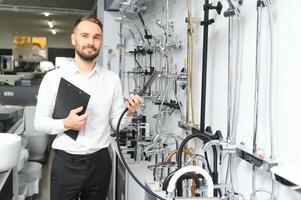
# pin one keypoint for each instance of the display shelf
(288, 175)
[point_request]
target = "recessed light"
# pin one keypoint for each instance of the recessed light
(46, 14)
(53, 31)
(50, 24)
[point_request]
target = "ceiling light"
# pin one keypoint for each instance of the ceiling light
(50, 24)
(53, 31)
(46, 14)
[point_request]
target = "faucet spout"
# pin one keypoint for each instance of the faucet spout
(172, 184)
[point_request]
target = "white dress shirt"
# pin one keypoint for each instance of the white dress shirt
(104, 108)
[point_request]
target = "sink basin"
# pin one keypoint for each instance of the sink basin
(10, 146)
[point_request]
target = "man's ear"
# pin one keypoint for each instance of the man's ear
(73, 39)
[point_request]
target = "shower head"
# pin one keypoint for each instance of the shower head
(233, 7)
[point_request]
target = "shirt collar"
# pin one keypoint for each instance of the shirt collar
(74, 69)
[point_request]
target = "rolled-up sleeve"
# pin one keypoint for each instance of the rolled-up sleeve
(43, 120)
(118, 107)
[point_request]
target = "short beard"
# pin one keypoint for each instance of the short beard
(86, 57)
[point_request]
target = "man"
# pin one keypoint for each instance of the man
(81, 168)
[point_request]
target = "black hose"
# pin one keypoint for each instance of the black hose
(126, 165)
(142, 91)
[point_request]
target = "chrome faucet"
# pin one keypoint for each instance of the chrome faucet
(225, 146)
(176, 138)
(198, 157)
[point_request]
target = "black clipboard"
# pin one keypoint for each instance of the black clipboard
(68, 98)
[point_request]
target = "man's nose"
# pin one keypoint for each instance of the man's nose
(90, 40)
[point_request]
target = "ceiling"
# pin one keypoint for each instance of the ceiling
(72, 4)
(26, 16)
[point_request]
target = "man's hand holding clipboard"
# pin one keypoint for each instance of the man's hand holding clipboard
(71, 104)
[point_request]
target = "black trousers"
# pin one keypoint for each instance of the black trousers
(80, 176)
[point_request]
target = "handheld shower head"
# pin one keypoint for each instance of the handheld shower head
(233, 7)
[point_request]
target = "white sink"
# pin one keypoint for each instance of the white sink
(10, 146)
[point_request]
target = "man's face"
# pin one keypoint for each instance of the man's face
(86, 39)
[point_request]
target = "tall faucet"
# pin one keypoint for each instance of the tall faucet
(174, 152)
(159, 137)
(176, 138)
(205, 138)
(172, 183)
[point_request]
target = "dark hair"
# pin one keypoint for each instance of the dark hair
(90, 19)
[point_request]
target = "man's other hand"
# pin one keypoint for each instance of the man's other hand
(75, 121)
(133, 103)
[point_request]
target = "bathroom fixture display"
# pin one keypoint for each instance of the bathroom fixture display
(261, 4)
(234, 69)
(37, 141)
(257, 160)
(197, 157)
(10, 145)
(142, 91)
(173, 153)
(234, 80)
(206, 23)
(205, 137)
(190, 62)
(195, 184)
(162, 170)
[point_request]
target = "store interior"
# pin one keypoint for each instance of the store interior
(219, 81)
